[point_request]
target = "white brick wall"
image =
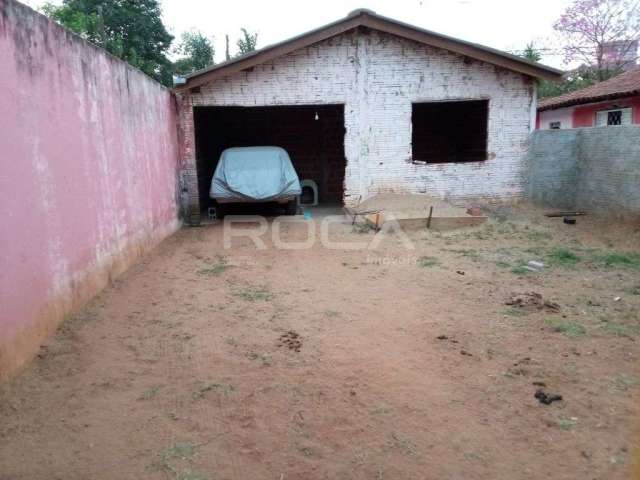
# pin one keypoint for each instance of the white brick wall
(377, 76)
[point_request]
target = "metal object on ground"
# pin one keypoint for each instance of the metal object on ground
(564, 214)
(569, 220)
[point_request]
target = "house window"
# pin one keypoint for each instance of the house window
(554, 125)
(449, 132)
(620, 116)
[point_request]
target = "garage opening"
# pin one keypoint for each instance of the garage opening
(313, 135)
(449, 132)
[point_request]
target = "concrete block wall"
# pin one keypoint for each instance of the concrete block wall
(594, 169)
(88, 174)
(377, 76)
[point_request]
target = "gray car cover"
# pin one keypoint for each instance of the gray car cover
(254, 174)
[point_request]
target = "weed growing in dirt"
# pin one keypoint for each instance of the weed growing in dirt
(619, 329)
(190, 475)
(253, 294)
(563, 257)
(624, 382)
(516, 312)
(466, 252)
(570, 329)
(615, 259)
(182, 452)
(150, 393)
(331, 313)
(426, 262)
(539, 236)
(264, 359)
(381, 411)
(178, 450)
(404, 444)
(203, 389)
(566, 423)
(521, 270)
(635, 290)
(217, 268)
(364, 227)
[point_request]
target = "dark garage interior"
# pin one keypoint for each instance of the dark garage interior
(450, 132)
(313, 135)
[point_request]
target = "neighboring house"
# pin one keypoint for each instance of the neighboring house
(613, 102)
(366, 105)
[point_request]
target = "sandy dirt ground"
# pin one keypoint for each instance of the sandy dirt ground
(206, 363)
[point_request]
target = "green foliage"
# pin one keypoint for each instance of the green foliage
(197, 53)
(426, 262)
(615, 259)
(564, 257)
(247, 43)
(580, 78)
(576, 80)
(531, 53)
(570, 329)
(129, 29)
(217, 268)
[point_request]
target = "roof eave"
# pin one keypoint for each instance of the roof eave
(376, 22)
(585, 100)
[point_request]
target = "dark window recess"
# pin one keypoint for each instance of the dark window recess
(450, 132)
(554, 125)
(614, 117)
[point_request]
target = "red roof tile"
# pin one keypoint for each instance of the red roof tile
(623, 85)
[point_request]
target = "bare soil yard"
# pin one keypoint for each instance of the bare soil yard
(205, 363)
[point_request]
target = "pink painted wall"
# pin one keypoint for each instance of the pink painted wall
(88, 174)
(581, 116)
(585, 115)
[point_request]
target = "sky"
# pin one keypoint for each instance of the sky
(503, 24)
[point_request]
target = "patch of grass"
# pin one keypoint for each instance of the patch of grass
(426, 262)
(624, 382)
(331, 313)
(566, 423)
(539, 236)
(405, 445)
(502, 264)
(191, 475)
(563, 257)
(617, 259)
(203, 389)
(569, 328)
(619, 329)
(381, 411)
(254, 294)
(466, 252)
(634, 290)
(217, 268)
(364, 227)
(265, 359)
(151, 392)
(181, 450)
(306, 451)
(521, 270)
(516, 312)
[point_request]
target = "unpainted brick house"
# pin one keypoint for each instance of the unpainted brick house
(368, 105)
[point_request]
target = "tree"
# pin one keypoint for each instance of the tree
(197, 53)
(601, 34)
(247, 43)
(531, 53)
(129, 29)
